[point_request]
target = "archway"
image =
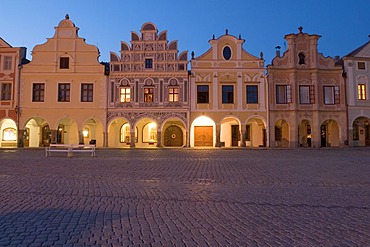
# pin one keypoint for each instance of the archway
(8, 133)
(147, 133)
(230, 132)
(304, 134)
(282, 133)
(67, 132)
(329, 131)
(37, 133)
(255, 133)
(93, 132)
(119, 133)
(174, 133)
(361, 132)
(203, 132)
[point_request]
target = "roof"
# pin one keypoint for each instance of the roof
(356, 51)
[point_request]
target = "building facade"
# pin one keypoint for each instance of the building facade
(306, 96)
(63, 92)
(228, 96)
(148, 95)
(357, 70)
(11, 59)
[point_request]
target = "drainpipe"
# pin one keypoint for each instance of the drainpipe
(18, 107)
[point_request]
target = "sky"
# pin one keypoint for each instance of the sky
(343, 24)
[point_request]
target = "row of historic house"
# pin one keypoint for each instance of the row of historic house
(147, 96)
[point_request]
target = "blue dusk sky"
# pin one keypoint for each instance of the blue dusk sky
(343, 24)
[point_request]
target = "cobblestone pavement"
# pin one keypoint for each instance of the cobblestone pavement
(186, 197)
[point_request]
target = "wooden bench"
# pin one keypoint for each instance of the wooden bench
(70, 149)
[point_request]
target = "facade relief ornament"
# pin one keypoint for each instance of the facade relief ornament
(228, 77)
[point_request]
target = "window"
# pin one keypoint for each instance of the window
(64, 63)
(252, 94)
(148, 94)
(331, 95)
(301, 58)
(148, 63)
(361, 65)
(6, 91)
(87, 92)
(9, 134)
(304, 95)
(173, 94)
(227, 94)
(7, 63)
(150, 133)
(226, 53)
(38, 91)
(361, 91)
(64, 92)
(125, 94)
(125, 136)
(283, 95)
(203, 94)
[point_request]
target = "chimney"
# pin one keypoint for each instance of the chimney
(277, 52)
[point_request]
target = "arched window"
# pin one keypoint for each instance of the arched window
(9, 134)
(302, 58)
(125, 136)
(150, 133)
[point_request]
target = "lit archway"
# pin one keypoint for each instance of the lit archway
(330, 134)
(203, 132)
(8, 133)
(255, 132)
(282, 133)
(305, 134)
(361, 132)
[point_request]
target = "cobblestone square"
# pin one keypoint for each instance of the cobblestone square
(186, 197)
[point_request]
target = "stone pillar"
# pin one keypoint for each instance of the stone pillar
(132, 138)
(242, 136)
(218, 135)
(159, 138)
(20, 134)
(53, 136)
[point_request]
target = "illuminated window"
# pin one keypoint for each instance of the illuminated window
(173, 94)
(125, 136)
(6, 91)
(148, 94)
(125, 94)
(9, 134)
(150, 132)
(361, 91)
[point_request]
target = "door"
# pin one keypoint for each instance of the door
(234, 135)
(45, 141)
(203, 136)
(323, 135)
(60, 134)
(173, 136)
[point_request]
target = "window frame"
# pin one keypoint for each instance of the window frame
(227, 96)
(308, 102)
(202, 95)
(361, 91)
(362, 63)
(287, 97)
(251, 93)
(148, 63)
(6, 91)
(8, 62)
(173, 94)
(148, 94)
(150, 139)
(125, 94)
(87, 94)
(335, 94)
(64, 94)
(64, 63)
(38, 92)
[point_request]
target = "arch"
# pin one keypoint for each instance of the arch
(305, 133)
(162, 35)
(37, 133)
(67, 132)
(174, 132)
(135, 36)
(114, 57)
(360, 131)
(230, 132)
(8, 133)
(301, 58)
(330, 134)
(183, 56)
(93, 132)
(203, 132)
(172, 45)
(282, 133)
(255, 132)
(114, 132)
(125, 46)
(148, 26)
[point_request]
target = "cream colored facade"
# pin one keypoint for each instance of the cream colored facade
(10, 66)
(148, 95)
(63, 92)
(228, 96)
(357, 70)
(307, 96)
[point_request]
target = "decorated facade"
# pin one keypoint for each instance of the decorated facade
(228, 96)
(357, 72)
(307, 106)
(63, 92)
(148, 92)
